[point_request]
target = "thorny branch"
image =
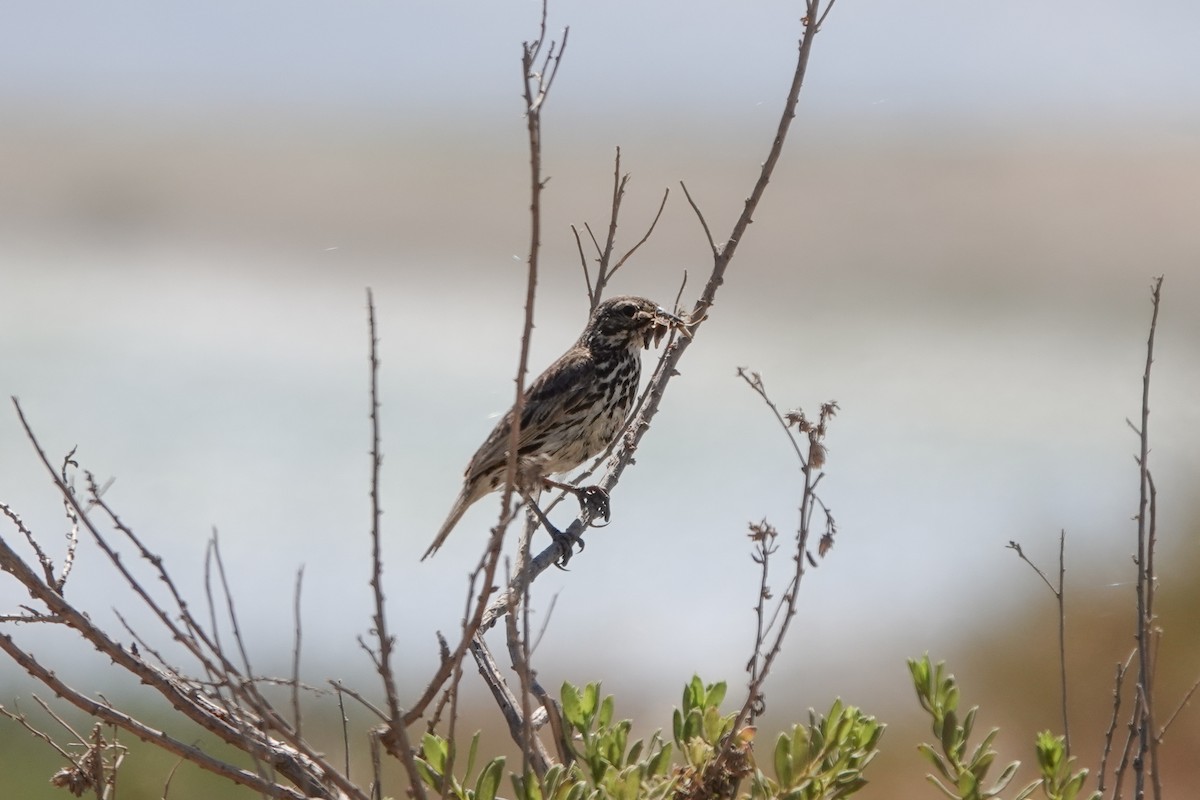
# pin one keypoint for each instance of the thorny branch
(1147, 747)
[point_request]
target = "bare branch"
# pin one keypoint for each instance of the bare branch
(1187, 698)
(296, 715)
(1146, 750)
(386, 641)
(112, 716)
(1060, 597)
(653, 223)
(712, 245)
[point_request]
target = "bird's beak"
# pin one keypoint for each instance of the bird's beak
(674, 322)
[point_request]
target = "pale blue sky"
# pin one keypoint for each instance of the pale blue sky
(973, 60)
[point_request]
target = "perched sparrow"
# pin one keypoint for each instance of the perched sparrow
(573, 410)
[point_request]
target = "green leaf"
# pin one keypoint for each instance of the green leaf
(471, 754)
(571, 706)
(660, 762)
(431, 778)
(950, 698)
(606, 712)
(1028, 790)
(1051, 752)
(489, 780)
(589, 700)
(693, 694)
(435, 750)
(716, 694)
(980, 765)
(783, 760)
(942, 786)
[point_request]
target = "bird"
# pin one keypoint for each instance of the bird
(572, 411)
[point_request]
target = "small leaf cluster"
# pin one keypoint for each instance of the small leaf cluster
(436, 760)
(606, 764)
(1058, 782)
(962, 776)
(715, 760)
(824, 760)
(698, 726)
(821, 761)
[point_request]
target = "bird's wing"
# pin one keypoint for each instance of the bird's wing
(561, 386)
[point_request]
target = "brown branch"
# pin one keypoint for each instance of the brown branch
(1059, 595)
(785, 611)
(121, 720)
(295, 761)
(44, 560)
(602, 271)
(519, 722)
(587, 278)
(653, 224)
(537, 86)
(386, 641)
(712, 245)
(1187, 698)
(297, 723)
(73, 518)
(1145, 578)
(518, 651)
(24, 722)
(1119, 679)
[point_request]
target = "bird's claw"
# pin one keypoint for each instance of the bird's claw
(566, 544)
(596, 500)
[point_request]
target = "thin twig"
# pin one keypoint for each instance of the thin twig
(296, 715)
(1059, 593)
(653, 223)
(1187, 698)
(24, 722)
(383, 636)
(712, 245)
(1145, 578)
(537, 86)
(112, 716)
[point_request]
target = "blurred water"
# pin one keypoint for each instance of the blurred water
(983, 375)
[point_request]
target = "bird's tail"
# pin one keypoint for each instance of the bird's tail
(461, 505)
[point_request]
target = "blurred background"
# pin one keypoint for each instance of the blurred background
(957, 247)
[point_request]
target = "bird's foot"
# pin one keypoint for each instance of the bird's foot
(566, 544)
(595, 499)
(566, 541)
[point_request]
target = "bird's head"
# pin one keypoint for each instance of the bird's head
(629, 322)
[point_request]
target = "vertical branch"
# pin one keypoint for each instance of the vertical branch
(296, 717)
(384, 661)
(1118, 680)
(1060, 596)
(763, 535)
(538, 75)
(518, 646)
(1145, 576)
(536, 83)
(1062, 635)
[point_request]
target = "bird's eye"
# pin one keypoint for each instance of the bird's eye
(629, 310)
